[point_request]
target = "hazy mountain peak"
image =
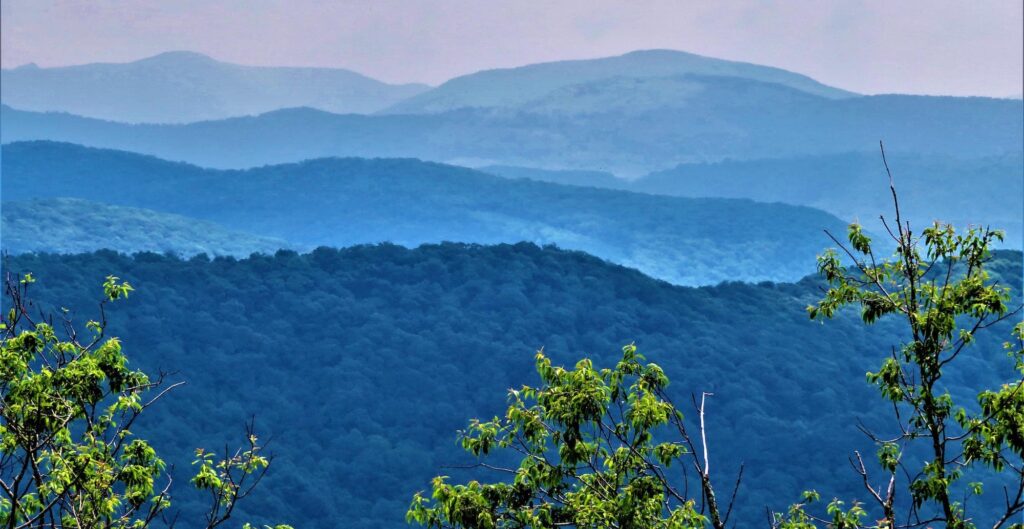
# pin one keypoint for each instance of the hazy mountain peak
(516, 87)
(660, 52)
(185, 86)
(179, 56)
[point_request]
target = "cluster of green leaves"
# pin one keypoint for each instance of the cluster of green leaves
(798, 518)
(68, 456)
(591, 456)
(939, 285)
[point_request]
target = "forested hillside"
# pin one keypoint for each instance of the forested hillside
(340, 202)
(68, 225)
(361, 363)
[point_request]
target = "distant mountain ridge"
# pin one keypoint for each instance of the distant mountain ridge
(181, 87)
(976, 191)
(983, 191)
(521, 87)
(726, 117)
(343, 202)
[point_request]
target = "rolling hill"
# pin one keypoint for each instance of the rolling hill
(360, 364)
(179, 87)
(525, 86)
(68, 225)
(341, 202)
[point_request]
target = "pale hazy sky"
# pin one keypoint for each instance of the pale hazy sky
(967, 47)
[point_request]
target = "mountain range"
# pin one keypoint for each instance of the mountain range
(341, 202)
(180, 87)
(630, 115)
(316, 247)
(731, 118)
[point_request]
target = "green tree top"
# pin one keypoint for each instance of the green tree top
(595, 452)
(938, 285)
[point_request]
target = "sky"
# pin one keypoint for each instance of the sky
(940, 47)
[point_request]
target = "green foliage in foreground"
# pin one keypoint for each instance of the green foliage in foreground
(607, 448)
(942, 291)
(68, 457)
(590, 456)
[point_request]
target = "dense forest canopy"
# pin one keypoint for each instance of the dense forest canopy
(340, 202)
(362, 362)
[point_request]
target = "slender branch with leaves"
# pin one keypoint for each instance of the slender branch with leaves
(938, 285)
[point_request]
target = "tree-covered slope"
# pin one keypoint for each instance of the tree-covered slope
(522, 86)
(361, 363)
(180, 87)
(723, 117)
(68, 225)
(341, 202)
